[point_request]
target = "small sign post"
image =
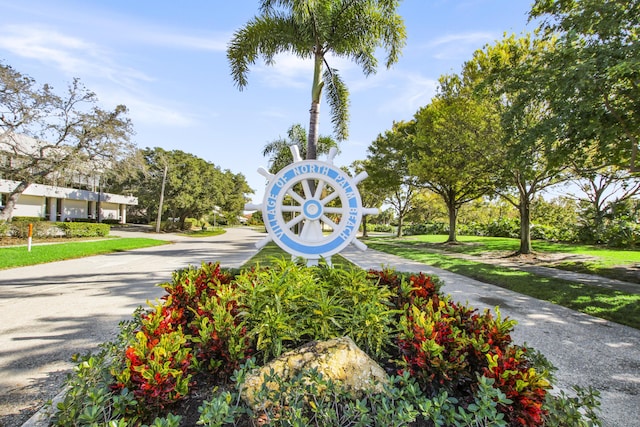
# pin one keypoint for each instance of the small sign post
(30, 235)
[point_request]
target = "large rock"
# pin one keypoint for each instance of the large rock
(338, 359)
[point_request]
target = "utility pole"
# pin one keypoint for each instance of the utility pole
(164, 179)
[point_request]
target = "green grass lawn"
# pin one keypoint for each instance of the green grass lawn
(216, 231)
(271, 251)
(603, 261)
(614, 305)
(19, 256)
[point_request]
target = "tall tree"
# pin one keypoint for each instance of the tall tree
(320, 30)
(457, 137)
(388, 167)
(193, 186)
(602, 188)
(235, 195)
(279, 151)
(43, 134)
(592, 77)
(506, 74)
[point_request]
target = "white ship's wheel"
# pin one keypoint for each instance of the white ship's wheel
(311, 208)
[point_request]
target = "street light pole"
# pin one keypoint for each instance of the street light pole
(164, 179)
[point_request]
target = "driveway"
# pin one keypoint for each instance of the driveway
(51, 311)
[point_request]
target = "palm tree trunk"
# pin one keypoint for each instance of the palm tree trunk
(314, 112)
(314, 127)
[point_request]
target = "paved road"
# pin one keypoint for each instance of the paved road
(51, 311)
(587, 351)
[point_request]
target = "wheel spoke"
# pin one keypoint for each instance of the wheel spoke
(329, 198)
(319, 188)
(295, 196)
(285, 208)
(328, 221)
(294, 221)
(334, 210)
(307, 189)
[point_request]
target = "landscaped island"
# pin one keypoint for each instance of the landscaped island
(185, 359)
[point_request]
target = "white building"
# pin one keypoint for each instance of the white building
(59, 203)
(66, 204)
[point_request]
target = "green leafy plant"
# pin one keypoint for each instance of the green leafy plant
(157, 369)
(447, 346)
(89, 397)
(577, 411)
(219, 334)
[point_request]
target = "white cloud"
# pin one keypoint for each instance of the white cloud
(456, 46)
(411, 92)
(71, 55)
(292, 71)
(287, 71)
(160, 37)
(148, 110)
(75, 57)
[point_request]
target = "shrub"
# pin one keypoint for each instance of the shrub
(382, 228)
(219, 334)
(41, 229)
(426, 228)
(447, 346)
(84, 229)
(27, 219)
(157, 363)
(504, 227)
(5, 228)
(454, 366)
(621, 233)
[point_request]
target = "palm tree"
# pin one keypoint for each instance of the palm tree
(279, 151)
(319, 30)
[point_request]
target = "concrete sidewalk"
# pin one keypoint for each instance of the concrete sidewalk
(587, 351)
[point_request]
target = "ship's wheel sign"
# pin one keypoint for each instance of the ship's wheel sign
(312, 209)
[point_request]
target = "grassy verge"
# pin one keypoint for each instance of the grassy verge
(598, 260)
(617, 306)
(271, 251)
(18, 256)
(204, 233)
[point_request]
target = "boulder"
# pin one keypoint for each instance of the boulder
(338, 359)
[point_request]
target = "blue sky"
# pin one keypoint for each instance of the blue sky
(166, 61)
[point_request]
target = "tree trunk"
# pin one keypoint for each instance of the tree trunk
(453, 220)
(364, 226)
(314, 127)
(12, 200)
(525, 226)
(314, 112)
(400, 220)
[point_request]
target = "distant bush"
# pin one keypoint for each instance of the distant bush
(27, 219)
(41, 229)
(622, 233)
(5, 228)
(381, 228)
(426, 228)
(84, 229)
(504, 227)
